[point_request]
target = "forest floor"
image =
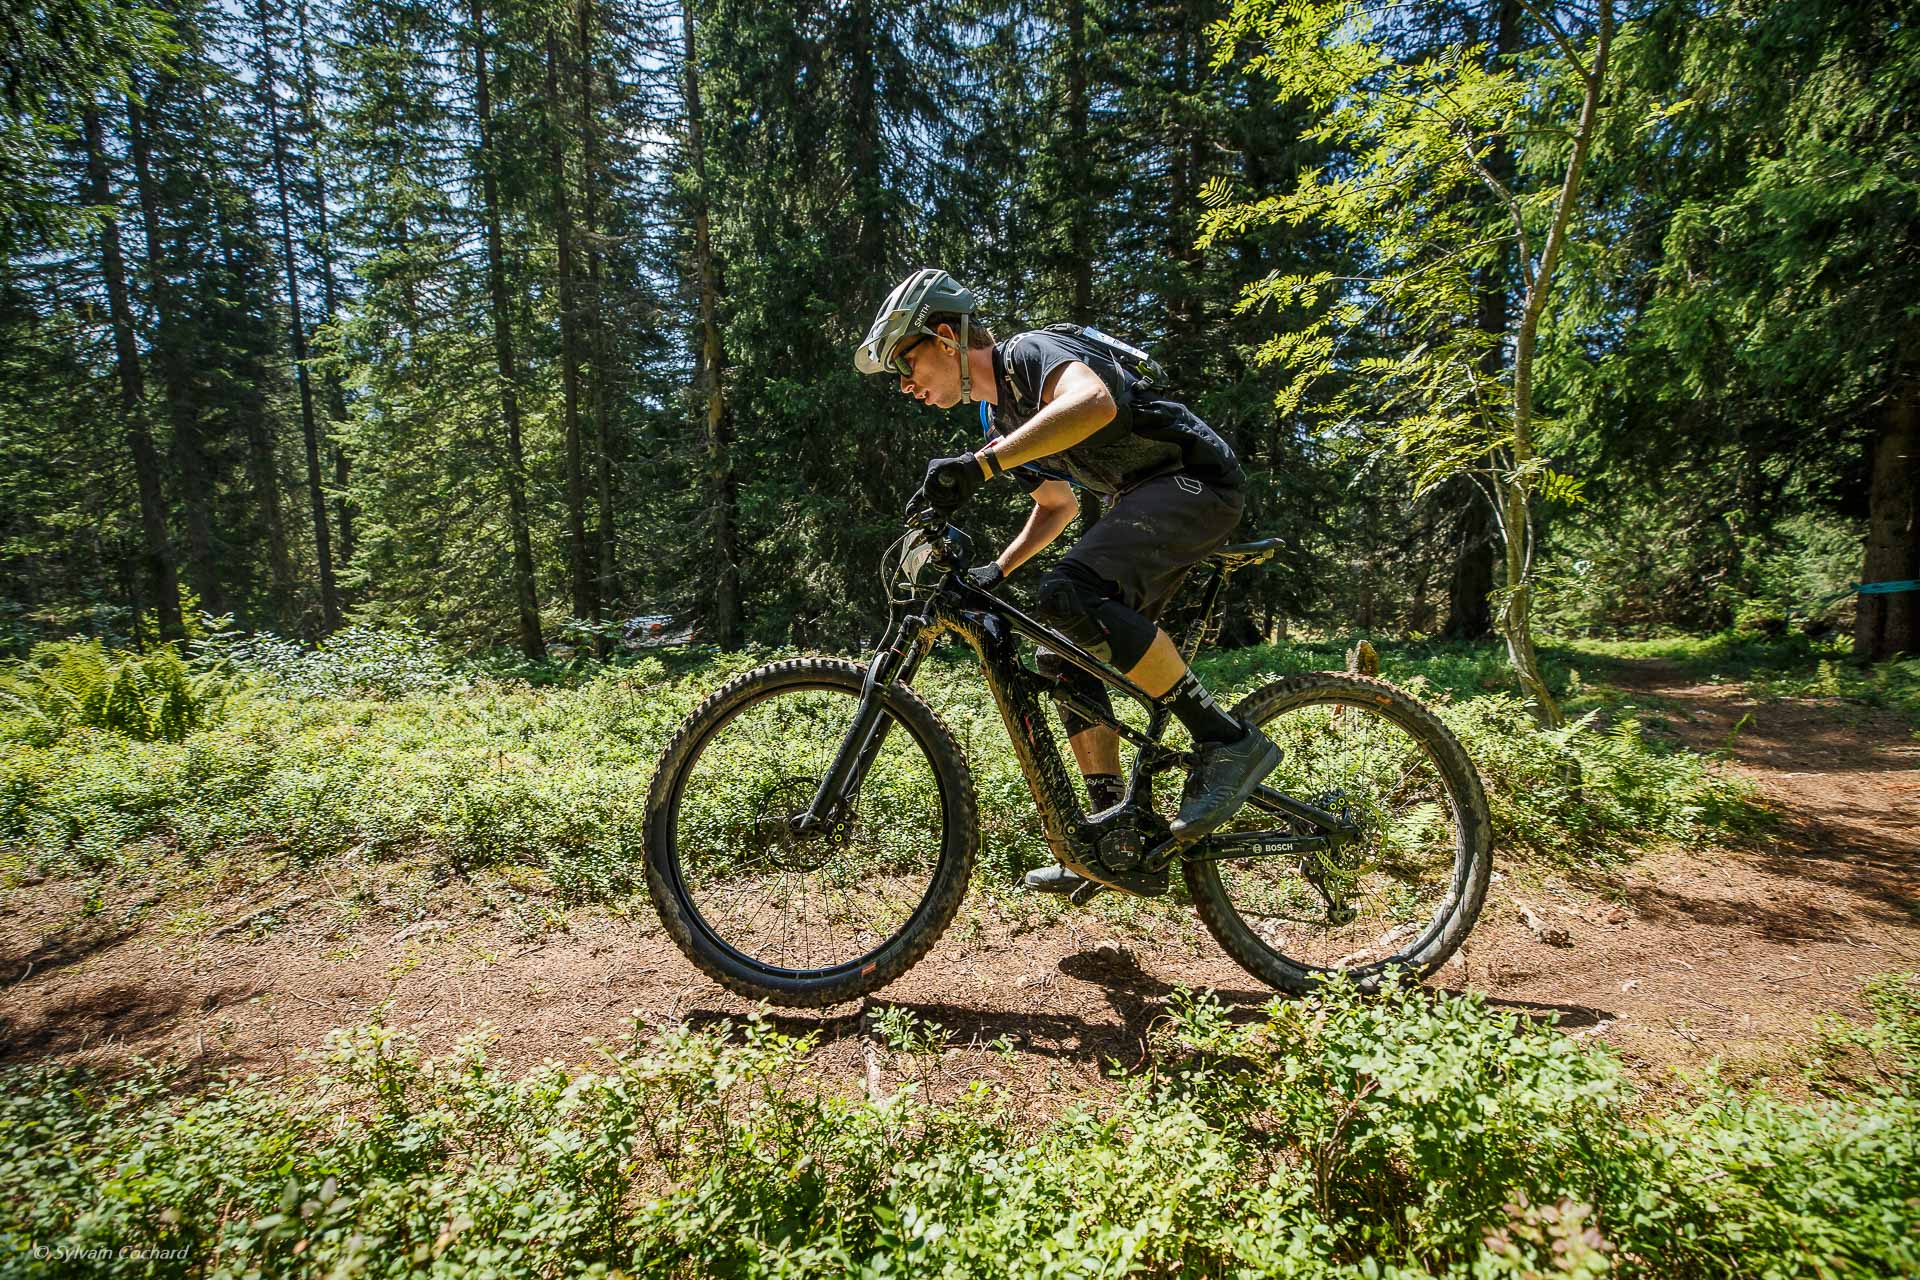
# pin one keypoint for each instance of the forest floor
(1674, 960)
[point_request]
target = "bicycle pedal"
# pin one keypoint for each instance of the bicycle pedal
(1085, 893)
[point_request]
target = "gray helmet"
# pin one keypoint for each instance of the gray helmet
(904, 316)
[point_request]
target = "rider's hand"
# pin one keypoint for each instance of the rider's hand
(987, 576)
(951, 481)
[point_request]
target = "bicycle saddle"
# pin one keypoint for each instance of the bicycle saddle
(1241, 554)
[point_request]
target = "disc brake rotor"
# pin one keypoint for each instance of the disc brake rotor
(774, 833)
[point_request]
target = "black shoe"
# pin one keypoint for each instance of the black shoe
(1055, 879)
(1225, 776)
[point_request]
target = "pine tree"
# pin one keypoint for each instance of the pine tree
(710, 368)
(163, 587)
(486, 166)
(268, 87)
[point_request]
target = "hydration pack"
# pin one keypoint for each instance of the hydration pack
(1138, 364)
(1142, 372)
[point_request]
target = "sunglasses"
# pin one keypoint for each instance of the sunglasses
(901, 364)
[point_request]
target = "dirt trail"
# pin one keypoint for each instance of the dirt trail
(1674, 960)
(1736, 954)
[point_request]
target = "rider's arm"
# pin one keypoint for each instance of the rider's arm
(1076, 404)
(1054, 508)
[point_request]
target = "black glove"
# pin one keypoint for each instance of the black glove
(986, 576)
(951, 481)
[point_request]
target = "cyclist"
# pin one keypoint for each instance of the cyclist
(1175, 492)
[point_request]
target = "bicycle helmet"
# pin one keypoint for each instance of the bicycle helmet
(904, 315)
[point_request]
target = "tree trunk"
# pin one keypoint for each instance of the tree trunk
(163, 581)
(1469, 590)
(1080, 201)
(176, 385)
(600, 348)
(309, 428)
(710, 373)
(526, 600)
(1888, 624)
(330, 295)
(243, 270)
(580, 559)
(863, 115)
(1516, 605)
(1185, 172)
(1513, 488)
(1469, 607)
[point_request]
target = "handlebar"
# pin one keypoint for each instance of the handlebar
(952, 549)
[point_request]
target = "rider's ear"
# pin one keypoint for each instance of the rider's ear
(945, 332)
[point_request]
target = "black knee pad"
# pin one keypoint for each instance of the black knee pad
(1081, 605)
(1069, 678)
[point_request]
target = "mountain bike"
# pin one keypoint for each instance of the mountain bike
(813, 824)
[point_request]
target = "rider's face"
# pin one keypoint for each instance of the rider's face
(935, 379)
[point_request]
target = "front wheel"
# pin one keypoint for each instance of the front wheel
(1405, 892)
(828, 915)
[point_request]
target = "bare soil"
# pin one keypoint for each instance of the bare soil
(1674, 960)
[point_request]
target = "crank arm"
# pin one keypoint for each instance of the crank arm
(1259, 844)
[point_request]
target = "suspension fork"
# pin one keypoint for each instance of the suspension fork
(896, 662)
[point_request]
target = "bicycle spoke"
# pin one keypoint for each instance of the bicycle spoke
(1363, 903)
(825, 898)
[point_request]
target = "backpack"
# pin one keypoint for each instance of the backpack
(1138, 364)
(1141, 369)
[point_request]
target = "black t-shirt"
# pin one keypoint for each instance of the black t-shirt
(1149, 435)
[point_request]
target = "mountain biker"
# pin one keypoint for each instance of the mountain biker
(1175, 492)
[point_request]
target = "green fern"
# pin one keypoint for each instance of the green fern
(148, 697)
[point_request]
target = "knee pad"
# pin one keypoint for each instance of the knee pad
(1085, 687)
(1081, 605)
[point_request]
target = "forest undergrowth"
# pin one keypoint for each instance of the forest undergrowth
(1409, 1134)
(1772, 666)
(378, 746)
(1405, 1135)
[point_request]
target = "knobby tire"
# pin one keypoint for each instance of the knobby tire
(959, 840)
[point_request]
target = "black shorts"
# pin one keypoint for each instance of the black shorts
(1153, 533)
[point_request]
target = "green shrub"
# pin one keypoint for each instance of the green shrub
(1409, 1135)
(1585, 790)
(485, 772)
(1575, 792)
(391, 660)
(1895, 685)
(148, 697)
(1886, 1052)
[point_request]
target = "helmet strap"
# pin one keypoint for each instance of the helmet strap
(966, 365)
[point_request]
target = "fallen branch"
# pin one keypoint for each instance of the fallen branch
(235, 925)
(1552, 935)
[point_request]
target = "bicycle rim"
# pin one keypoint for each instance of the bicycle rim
(790, 906)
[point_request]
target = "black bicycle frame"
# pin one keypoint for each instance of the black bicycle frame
(989, 625)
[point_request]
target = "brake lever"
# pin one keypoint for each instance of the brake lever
(920, 513)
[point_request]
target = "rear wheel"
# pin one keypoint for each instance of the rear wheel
(828, 915)
(1403, 894)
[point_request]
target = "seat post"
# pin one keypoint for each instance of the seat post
(1197, 634)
